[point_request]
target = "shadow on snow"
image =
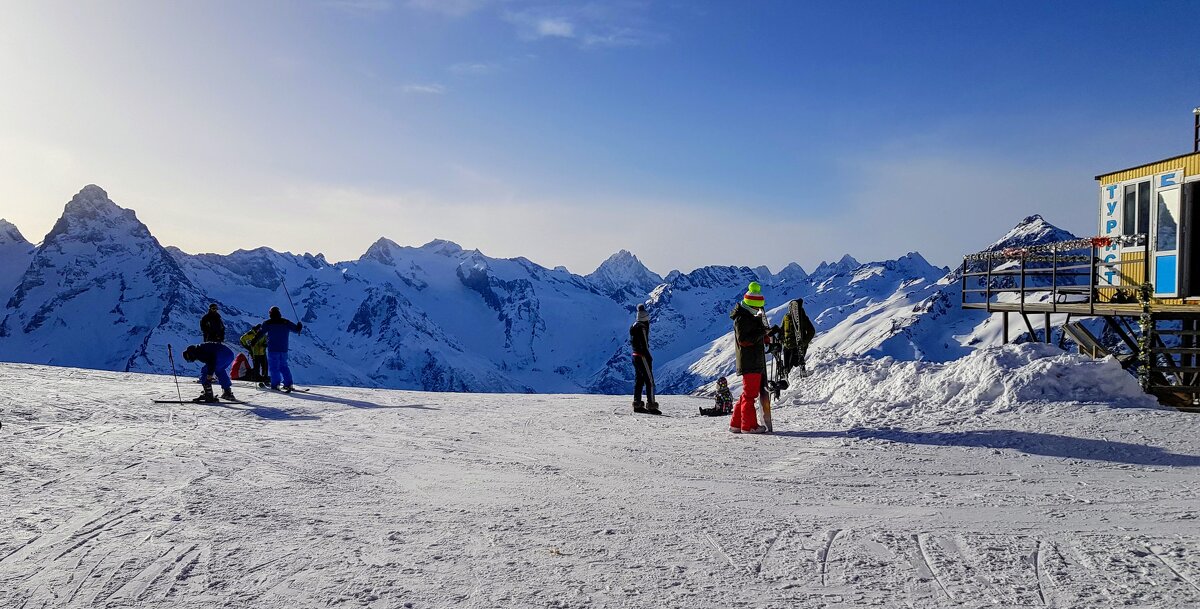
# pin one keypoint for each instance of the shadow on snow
(268, 413)
(321, 397)
(1033, 443)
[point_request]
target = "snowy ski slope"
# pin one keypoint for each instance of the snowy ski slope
(966, 490)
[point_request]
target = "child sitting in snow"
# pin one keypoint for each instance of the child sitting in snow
(724, 405)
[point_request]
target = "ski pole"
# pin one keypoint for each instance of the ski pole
(289, 297)
(171, 356)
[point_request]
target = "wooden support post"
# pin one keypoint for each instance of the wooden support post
(1053, 282)
(1093, 295)
(1062, 336)
(1029, 326)
(1006, 327)
(1047, 328)
(1188, 341)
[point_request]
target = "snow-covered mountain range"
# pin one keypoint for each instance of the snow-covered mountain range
(100, 291)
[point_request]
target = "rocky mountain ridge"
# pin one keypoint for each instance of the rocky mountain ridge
(101, 292)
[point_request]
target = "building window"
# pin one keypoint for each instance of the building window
(1167, 237)
(1137, 209)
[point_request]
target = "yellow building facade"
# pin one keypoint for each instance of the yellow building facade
(1149, 213)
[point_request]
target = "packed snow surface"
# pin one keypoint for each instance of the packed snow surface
(1020, 477)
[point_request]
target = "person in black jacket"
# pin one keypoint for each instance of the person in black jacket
(798, 331)
(211, 326)
(750, 335)
(643, 363)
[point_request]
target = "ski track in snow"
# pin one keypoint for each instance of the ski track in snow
(370, 498)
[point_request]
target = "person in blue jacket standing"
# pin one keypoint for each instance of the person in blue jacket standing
(278, 330)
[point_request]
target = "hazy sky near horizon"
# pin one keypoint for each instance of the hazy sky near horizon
(688, 132)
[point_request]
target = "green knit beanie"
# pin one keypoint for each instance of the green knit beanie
(754, 297)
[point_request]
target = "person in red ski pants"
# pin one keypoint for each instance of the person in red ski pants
(750, 334)
(745, 419)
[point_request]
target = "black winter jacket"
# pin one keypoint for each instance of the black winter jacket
(798, 329)
(212, 328)
(750, 333)
(639, 337)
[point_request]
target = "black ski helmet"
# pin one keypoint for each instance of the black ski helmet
(189, 354)
(275, 313)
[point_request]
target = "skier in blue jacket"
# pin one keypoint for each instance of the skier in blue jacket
(278, 330)
(216, 359)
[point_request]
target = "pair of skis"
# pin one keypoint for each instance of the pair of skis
(265, 387)
(217, 402)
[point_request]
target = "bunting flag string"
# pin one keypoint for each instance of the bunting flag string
(1030, 252)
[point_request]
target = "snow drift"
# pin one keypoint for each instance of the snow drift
(870, 392)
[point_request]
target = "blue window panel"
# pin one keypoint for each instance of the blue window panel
(1164, 276)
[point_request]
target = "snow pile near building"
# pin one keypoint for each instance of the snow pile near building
(1019, 379)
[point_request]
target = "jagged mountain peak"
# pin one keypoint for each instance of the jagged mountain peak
(828, 269)
(383, 250)
(10, 234)
(907, 267)
(1031, 230)
(713, 276)
(912, 264)
(91, 200)
(623, 275)
(791, 273)
(623, 257)
(624, 264)
(764, 274)
(92, 217)
(443, 246)
(475, 260)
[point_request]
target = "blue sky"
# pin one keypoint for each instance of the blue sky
(690, 133)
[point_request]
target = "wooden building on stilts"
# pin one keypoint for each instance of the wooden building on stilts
(1140, 275)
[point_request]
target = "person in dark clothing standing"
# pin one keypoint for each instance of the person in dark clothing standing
(216, 359)
(643, 363)
(277, 330)
(211, 326)
(750, 335)
(798, 331)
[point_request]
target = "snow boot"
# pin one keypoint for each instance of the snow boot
(639, 407)
(287, 389)
(228, 395)
(733, 429)
(206, 397)
(759, 429)
(652, 408)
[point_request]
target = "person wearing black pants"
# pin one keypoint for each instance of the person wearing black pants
(643, 364)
